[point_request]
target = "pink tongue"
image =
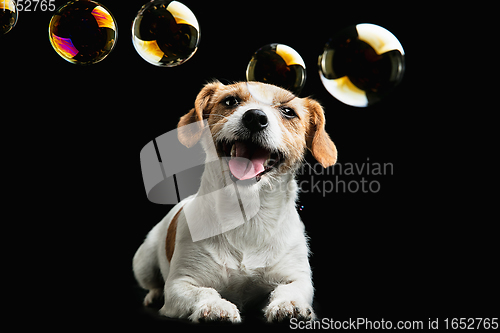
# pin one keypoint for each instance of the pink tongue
(249, 161)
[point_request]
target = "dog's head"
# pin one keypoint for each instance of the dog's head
(262, 130)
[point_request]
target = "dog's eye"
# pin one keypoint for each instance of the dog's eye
(231, 101)
(288, 112)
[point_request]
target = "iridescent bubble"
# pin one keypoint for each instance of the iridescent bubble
(83, 32)
(165, 33)
(8, 15)
(280, 65)
(362, 64)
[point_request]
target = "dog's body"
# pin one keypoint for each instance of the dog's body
(263, 132)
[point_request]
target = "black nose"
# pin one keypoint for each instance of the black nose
(255, 120)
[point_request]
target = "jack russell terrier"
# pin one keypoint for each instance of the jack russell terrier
(259, 134)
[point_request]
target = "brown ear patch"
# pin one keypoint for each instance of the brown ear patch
(171, 232)
(189, 135)
(318, 141)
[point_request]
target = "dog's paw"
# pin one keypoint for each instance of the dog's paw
(216, 310)
(279, 310)
(154, 294)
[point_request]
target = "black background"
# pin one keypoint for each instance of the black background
(415, 250)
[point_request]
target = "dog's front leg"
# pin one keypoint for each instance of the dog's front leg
(185, 299)
(292, 300)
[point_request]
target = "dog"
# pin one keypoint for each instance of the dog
(260, 134)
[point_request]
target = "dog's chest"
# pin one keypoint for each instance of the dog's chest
(245, 277)
(243, 261)
(251, 249)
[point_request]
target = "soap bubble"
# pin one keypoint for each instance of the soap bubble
(280, 65)
(165, 33)
(362, 64)
(83, 32)
(8, 16)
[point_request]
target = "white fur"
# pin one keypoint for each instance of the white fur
(268, 254)
(271, 138)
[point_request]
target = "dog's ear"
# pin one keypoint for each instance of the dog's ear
(318, 141)
(189, 135)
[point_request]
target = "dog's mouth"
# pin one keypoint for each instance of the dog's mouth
(247, 160)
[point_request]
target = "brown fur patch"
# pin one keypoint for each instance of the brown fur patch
(171, 232)
(318, 141)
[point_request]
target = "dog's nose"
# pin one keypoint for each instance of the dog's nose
(255, 120)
